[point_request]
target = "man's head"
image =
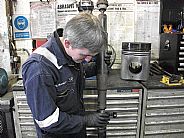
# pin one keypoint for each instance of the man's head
(84, 37)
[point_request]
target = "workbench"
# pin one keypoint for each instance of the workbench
(147, 109)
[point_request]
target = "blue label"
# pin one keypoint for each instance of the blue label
(22, 35)
(21, 23)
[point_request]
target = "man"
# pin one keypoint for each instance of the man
(53, 78)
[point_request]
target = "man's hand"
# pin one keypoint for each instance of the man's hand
(97, 119)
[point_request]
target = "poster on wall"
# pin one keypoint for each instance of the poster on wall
(21, 27)
(127, 21)
(120, 25)
(43, 19)
(147, 24)
(65, 10)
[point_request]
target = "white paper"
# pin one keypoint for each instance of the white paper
(147, 24)
(65, 11)
(43, 19)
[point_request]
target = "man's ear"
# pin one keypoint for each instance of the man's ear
(66, 43)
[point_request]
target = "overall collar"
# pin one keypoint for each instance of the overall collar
(59, 51)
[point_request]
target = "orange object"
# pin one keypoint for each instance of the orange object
(167, 28)
(170, 28)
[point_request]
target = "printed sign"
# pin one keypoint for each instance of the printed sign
(21, 27)
(42, 19)
(21, 23)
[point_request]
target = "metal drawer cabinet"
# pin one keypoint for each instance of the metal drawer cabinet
(126, 105)
(123, 98)
(163, 113)
(24, 125)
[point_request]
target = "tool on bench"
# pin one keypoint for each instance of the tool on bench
(167, 78)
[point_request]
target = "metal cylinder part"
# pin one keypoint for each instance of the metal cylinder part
(102, 70)
(135, 61)
(103, 19)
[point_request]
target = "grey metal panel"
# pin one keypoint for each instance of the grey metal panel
(163, 111)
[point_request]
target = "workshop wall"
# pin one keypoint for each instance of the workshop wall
(128, 21)
(4, 43)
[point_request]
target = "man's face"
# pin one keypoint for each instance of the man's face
(80, 54)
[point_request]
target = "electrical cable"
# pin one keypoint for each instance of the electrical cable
(114, 56)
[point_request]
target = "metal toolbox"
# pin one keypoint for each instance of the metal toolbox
(163, 110)
(171, 55)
